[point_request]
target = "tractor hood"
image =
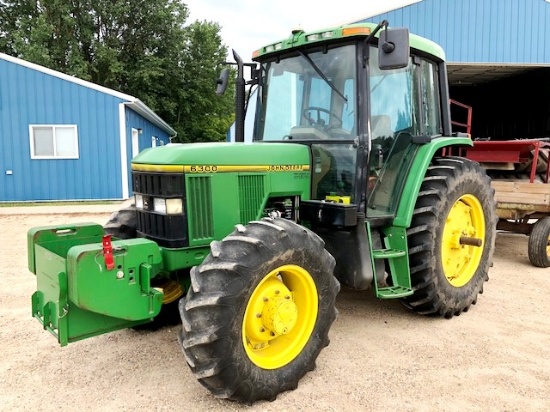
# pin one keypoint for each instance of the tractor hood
(257, 156)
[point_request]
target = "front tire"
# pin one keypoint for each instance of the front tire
(455, 209)
(259, 310)
(122, 223)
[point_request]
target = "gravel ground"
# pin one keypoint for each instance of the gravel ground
(381, 357)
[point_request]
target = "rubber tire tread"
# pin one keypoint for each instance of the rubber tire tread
(446, 180)
(538, 243)
(212, 311)
(122, 224)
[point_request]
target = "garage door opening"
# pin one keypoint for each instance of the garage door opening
(508, 102)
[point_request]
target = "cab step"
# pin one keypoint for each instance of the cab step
(388, 253)
(397, 260)
(393, 292)
(393, 259)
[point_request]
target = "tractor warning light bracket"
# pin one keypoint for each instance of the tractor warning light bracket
(108, 252)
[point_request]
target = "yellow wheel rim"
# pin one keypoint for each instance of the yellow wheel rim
(280, 317)
(465, 220)
(172, 289)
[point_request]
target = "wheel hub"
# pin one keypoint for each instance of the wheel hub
(274, 313)
(280, 315)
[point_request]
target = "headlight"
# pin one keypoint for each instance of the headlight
(168, 206)
(139, 201)
(159, 205)
(174, 206)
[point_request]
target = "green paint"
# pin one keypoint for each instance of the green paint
(226, 154)
(94, 288)
(336, 34)
(175, 259)
(59, 239)
(216, 202)
(77, 297)
(416, 175)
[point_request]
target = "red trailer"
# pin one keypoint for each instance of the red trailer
(519, 170)
(520, 176)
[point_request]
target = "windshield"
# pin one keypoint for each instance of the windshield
(309, 97)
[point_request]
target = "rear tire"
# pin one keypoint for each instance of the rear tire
(455, 200)
(539, 244)
(259, 310)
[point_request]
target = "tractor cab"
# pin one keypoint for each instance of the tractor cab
(356, 105)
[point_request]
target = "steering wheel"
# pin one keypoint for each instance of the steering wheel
(319, 121)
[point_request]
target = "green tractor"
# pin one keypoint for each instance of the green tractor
(350, 179)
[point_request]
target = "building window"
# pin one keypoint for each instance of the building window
(53, 141)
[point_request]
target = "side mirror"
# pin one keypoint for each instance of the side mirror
(393, 48)
(221, 83)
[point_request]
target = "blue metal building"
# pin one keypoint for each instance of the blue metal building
(62, 138)
(480, 32)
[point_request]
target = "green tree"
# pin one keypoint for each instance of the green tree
(140, 47)
(201, 60)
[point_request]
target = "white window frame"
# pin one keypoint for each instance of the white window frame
(53, 127)
(135, 142)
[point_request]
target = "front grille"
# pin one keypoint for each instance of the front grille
(166, 230)
(200, 207)
(158, 184)
(251, 196)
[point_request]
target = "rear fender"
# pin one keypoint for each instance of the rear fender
(420, 165)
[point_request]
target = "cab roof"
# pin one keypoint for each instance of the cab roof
(300, 38)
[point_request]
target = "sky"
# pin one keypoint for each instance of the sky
(248, 25)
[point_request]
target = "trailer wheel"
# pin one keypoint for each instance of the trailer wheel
(539, 243)
(259, 310)
(451, 238)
